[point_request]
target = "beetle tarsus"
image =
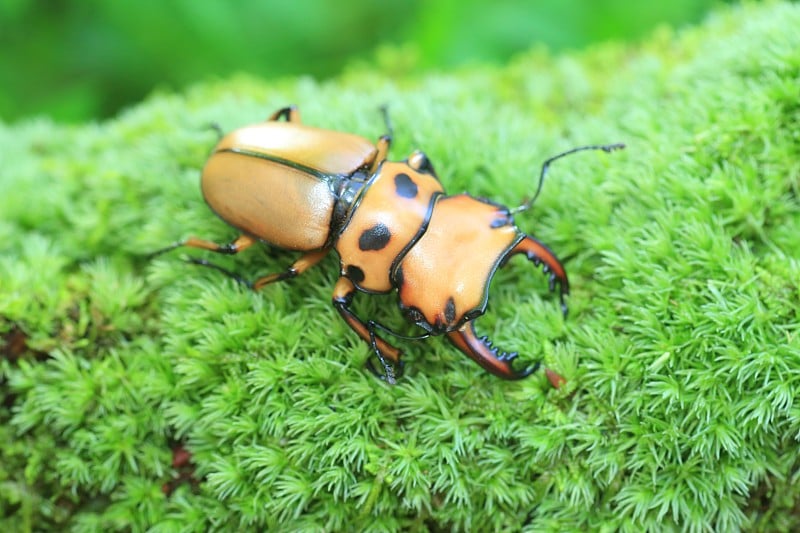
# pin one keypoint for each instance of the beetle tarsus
(391, 372)
(343, 294)
(160, 251)
(208, 264)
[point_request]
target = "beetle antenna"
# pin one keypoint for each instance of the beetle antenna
(546, 165)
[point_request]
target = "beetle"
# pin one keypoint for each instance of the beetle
(311, 190)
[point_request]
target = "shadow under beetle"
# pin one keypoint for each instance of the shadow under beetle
(313, 190)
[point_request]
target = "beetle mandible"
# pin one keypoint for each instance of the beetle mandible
(312, 190)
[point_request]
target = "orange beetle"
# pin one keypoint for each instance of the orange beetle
(311, 190)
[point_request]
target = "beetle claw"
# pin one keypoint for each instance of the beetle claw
(538, 254)
(511, 356)
(483, 352)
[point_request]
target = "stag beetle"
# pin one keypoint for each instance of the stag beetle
(312, 190)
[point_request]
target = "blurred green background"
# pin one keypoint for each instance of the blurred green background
(83, 59)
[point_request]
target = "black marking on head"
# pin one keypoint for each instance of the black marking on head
(504, 218)
(414, 315)
(405, 186)
(450, 310)
(374, 238)
(354, 273)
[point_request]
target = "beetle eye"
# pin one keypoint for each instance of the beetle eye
(420, 162)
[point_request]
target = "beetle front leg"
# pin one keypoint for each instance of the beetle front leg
(388, 355)
(389, 375)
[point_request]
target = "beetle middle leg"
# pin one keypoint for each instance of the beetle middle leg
(241, 243)
(305, 262)
(389, 356)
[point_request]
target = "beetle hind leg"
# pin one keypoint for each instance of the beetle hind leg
(289, 113)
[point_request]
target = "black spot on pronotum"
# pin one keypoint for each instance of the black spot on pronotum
(450, 310)
(405, 186)
(355, 274)
(374, 238)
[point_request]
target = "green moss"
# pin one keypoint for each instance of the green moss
(681, 351)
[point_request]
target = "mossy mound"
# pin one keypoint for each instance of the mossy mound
(682, 349)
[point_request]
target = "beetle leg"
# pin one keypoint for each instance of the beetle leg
(389, 371)
(305, 262)
(538, 253)
(389, 374)
(290, 114)
(236, 277)
(343, 295)
(242, 242)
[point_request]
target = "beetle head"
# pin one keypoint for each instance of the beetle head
(480, 349)
(443, 281)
